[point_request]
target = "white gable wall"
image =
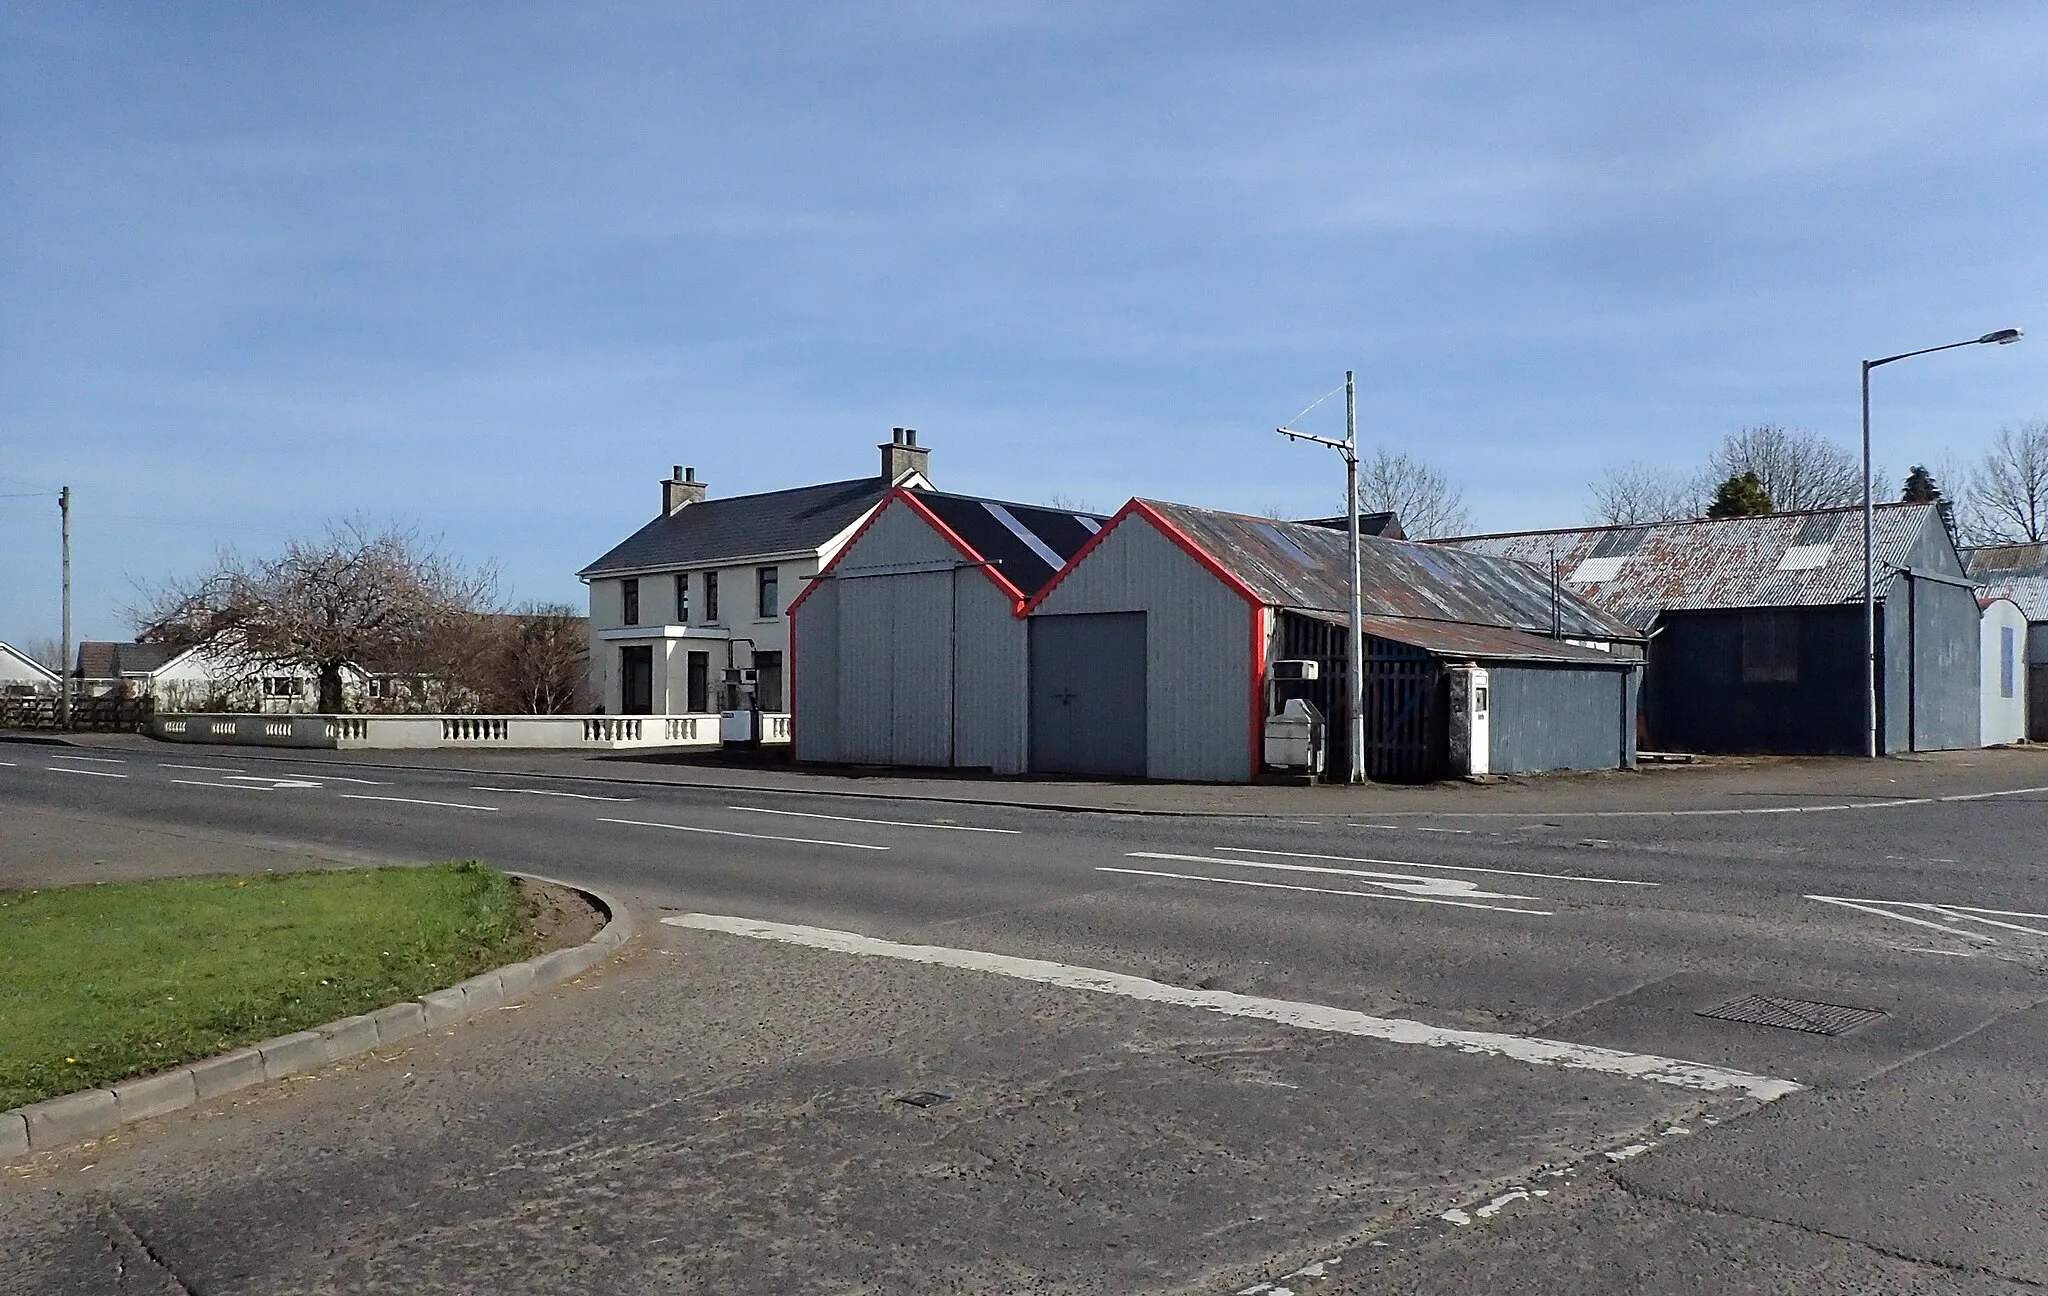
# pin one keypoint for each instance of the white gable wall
(2004, 663)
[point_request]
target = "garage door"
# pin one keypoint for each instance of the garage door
(896, 669)
(1088, 694)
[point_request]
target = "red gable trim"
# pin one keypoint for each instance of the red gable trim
(1080, 556)
(1166, 528)
(909, 499)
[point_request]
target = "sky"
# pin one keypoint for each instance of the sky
(489, 271)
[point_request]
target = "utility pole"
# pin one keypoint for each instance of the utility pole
(1348, 447)
(64, 667)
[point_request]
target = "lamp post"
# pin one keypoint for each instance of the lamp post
(2000, 338)
(1348, 447)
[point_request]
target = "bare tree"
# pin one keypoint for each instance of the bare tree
(2006, 500)
(1423, 498)
(538, 662)
(382, 601)
(1798, 470)
(1635, 493)
(47, 652)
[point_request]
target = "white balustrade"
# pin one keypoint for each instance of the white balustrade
(399, 732)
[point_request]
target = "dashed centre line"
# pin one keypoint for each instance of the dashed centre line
(1305, 1016)
(446, 805)
(727, 832)
(92, 760)
(197, 769)
(889, 823)
(1454, 868)
(577, 796)
(62, 769)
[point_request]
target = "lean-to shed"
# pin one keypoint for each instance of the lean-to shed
(910, 646)
(2004, 683)
(2020, 572)
(1756, 625)
(1149, 653)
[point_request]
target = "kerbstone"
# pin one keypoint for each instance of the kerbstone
(87, 1114)
(399, 1021)
(444, 1006)
(13, 1135)
(228, 1072)
(516, 979)
(290, 1054)
(155, 1095)
(349, 1036)
(482, 993)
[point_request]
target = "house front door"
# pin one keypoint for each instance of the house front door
(636, 680)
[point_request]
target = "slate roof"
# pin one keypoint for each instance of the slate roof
(2018, 572)
(1028, 543)
(99, 659)
(1303, 566)
(744, 526)
(1779, 560)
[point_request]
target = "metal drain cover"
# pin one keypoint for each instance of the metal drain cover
(1793, 1014)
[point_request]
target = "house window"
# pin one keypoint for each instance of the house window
(682, 598)
(1770, 647)
(767, 582)
(2008, 662)
(629, 601)
(282, 686)
(711, 597)
(768, 681)
(699, 683)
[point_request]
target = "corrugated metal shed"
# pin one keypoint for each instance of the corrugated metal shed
(1298, 565)
(1779, 560)
(1455, 639)
(2017, 572)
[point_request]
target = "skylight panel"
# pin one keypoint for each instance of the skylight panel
(1806, 557)
(1593, 571)
(1285, 543)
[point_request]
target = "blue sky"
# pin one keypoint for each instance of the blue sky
(491, 270)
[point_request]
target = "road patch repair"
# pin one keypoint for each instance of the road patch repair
(130, 1095)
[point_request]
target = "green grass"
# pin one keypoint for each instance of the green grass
(99, 983)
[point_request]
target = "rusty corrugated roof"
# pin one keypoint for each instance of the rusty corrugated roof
(1779, 560)
(1479, 642)
(1297, 565)
(2018, 572)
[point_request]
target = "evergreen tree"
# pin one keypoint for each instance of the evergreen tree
(1742, 495)
(1920, 487)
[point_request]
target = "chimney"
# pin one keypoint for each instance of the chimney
(902, 455)
(680, 491)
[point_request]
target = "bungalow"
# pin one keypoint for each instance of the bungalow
(1755, 625)
(688, 614)
(22, 675)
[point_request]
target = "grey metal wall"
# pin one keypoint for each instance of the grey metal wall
(1560, 718)
(1695, 698)
(1931, 645)
(905, 656)
(1200, 688)
(1088, 688)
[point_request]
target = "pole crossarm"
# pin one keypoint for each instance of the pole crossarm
(1292, 435)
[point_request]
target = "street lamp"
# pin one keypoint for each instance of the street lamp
(1348, 447)
(2000, 338)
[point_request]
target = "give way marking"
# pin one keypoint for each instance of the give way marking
(1926, 915)
(1304, 1016)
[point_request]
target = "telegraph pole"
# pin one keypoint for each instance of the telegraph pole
(1348, 447)
(64, 667)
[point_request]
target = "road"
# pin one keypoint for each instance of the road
(1233, 1054)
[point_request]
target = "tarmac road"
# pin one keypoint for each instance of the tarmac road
(720, 1110)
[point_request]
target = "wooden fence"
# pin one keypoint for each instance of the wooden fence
(100, 714)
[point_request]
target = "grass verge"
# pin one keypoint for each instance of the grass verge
(100, 983)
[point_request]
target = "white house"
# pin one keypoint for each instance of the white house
(192, 678)
(22, 675)
(704, 589)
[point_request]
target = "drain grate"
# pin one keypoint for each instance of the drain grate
(1793, 1014)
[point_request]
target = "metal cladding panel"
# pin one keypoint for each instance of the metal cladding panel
(990, 678)
(1199, 649)
(867, 670)
(814, 638)
(1695, 696)
(898, 536)
(1088, 694)
(1947, 652)
(2004, 656)
(1558, 718)
(1633, 572)
(921, 682)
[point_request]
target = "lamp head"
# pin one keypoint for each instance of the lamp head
(2002, 337)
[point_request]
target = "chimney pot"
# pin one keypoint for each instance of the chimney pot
(679, 473)
(689, 474)
(910, 436)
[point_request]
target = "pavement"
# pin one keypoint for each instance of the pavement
(1260, 1048)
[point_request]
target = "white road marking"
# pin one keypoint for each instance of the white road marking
(274, 782)
(727, 832)
(197, 769)
(1453, 868)
(888, 823)
(1364, 895)
(578, 796)
(336, 778)
(1413, 884)
(1467, 832)
(1306, 1016)
(232, 787)
(8, 764)
(95, 760)
(446, 805)
(1741, 810)
(60, 769)
(1873, 907)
